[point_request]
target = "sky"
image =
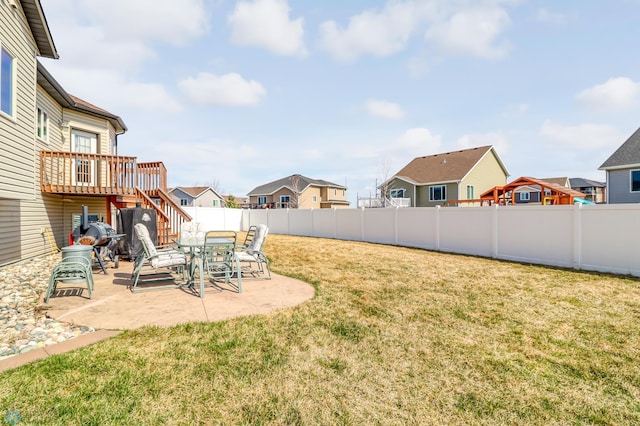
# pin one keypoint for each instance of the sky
(235, 94)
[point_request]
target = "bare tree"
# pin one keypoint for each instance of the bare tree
(294, 200)
(385, 186)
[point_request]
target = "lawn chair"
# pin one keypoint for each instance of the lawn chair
(72, 269)
(252, 259)
(220, 261)
(171, 259)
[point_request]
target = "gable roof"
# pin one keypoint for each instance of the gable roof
(286, 182)
(39, 28)
(562, 181)
(627, 155)
(196, 191)
(445, 167)
(55, 90)
(585, 183)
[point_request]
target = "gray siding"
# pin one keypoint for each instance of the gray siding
(619, 182)
(17, 165)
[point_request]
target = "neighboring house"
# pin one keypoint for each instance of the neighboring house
(594, 191)
(242, 202)
(453, 178)
(623, 172)
(532, 194)
(297, 191)
(59, 152)
(197, 196)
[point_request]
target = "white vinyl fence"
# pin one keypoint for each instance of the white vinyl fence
(603, 238)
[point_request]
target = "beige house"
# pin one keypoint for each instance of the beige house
(197, 196)
(297, 191)
(59, 152)
(450, 178)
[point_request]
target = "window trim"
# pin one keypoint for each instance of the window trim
(631, 181)
(443, 189)
(42, 125)
(527, 198)
(262, 199)
(13, 85)
(184, 202)
(393, 193)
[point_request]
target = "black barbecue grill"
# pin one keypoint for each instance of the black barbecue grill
(101, 236)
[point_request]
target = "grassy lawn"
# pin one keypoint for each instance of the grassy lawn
(393, 336)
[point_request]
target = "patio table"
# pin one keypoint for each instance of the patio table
(196, 247)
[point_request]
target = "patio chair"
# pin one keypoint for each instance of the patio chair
(252, 259)
(72, 269)
(191, 231)
(170, 259)
(220, 261)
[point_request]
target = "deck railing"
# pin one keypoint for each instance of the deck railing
(84, 173)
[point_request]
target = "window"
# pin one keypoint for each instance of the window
(284, 201)
(262, 200)
(215, 203)
(314, 198)
(635, 180)
(6, 82)
(470, 194)
(43, 125)
(437, 193)
(525, 196)
(184, 202)
(397, 193)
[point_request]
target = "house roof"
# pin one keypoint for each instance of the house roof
(39, 28)
(562, 181)
(195, 191)
(585, 183)
(628, 154)
(55, 90)
(286, 182)
(445, 167)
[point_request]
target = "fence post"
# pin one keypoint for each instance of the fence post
(577, 235)
(494, 231)
(437, 225)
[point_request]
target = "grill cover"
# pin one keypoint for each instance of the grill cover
(130, 246)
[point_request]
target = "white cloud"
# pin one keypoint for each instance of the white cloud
(616, 93)
(472, 31)
(371, 32)
(418, 141)
(580, 137)
(548, 17)
(497, 139)
(266, 24)
(516, 110)
(384, 109)
(228, 89)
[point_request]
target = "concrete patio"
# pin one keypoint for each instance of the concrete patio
(113, 307)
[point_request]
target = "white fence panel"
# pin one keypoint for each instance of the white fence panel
(324, 223)
(379, 225)
(277, 221)
(610, 238)
(256, 217)
(349, 224)
(417, 228)
(216, 218)
(466, 230)
(301, 222)
(537, 234)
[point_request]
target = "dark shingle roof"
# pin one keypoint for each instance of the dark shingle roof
(585, 183)
(287, 182)
(627, 154)
(446, 167)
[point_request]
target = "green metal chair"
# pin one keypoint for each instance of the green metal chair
(170, 259)
(253, 261)
(72, 269)
(220, 261)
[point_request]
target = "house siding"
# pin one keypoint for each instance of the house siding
(619, 190)
(486, 174)
(306, 198)
(17, 165)
(423, 194)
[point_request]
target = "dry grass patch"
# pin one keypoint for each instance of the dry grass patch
(393, 336)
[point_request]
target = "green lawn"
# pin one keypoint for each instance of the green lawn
(393, 336)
